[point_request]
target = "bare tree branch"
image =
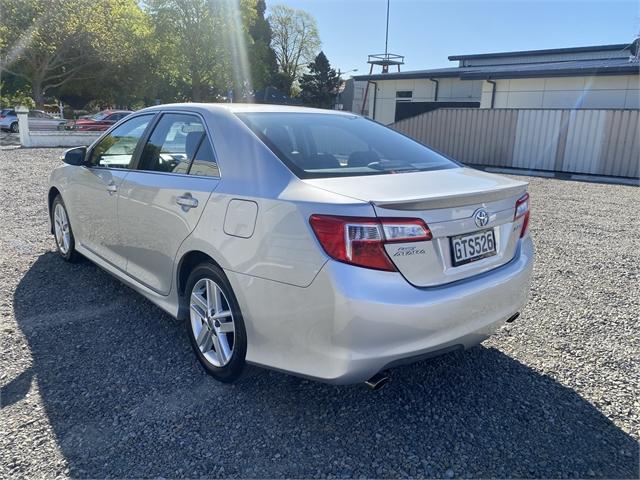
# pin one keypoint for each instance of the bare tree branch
(295, 40)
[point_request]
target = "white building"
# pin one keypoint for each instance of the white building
(604, 76)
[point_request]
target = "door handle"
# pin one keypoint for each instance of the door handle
(112, 188)
(187, 201)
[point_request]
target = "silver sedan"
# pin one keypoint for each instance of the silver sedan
(38, 120)
(309, 241)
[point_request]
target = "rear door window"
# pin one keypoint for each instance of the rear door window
(179, 144)
(204, 163)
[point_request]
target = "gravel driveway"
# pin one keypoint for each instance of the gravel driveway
(95, 381)
(9, 139)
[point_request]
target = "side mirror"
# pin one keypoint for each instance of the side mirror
(75, 156)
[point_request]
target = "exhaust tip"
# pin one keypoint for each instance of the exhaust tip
(376, 382)
(513, 317)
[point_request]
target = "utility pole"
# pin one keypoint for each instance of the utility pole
(386, 38)
(384, 60)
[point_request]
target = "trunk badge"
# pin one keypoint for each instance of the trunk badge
(481, 217)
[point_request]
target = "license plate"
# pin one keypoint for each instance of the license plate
(472, 246)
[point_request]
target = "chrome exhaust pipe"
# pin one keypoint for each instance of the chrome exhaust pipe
(378, 381)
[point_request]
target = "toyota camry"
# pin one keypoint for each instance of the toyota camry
(309, 241)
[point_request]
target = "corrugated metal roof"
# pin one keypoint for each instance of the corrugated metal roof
(432, 73)
(613, 66)
(522, 53)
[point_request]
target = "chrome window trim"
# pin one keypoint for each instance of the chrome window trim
(168, 173)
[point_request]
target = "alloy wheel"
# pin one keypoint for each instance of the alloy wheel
(61, 229)
(212, 322)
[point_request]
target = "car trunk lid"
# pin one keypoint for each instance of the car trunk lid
(448, 201)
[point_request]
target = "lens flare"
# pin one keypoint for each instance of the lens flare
(15, 51)
(235, 42)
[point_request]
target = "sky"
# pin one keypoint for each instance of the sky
(426, 32)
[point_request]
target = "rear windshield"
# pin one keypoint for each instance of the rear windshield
(316, 145)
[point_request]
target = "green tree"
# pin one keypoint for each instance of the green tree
(52, 43)
(295, 42)
(203, 44)
(264, 65)
(187, 35)
(14, 98)
(319, 87)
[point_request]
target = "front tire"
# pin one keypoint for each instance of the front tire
(215, 325)
(14, 127)
(62, 232)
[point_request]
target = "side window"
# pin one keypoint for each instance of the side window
(176, 141)
(204, 163)
(116, 149)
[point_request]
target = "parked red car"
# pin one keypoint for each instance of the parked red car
(99, 121)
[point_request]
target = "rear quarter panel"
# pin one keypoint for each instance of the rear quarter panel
(282, 246)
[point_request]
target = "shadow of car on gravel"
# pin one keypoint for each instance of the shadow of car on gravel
(127, 398)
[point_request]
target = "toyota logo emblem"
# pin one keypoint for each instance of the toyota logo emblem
(481, 216)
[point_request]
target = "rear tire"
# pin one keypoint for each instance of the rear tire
(14, 127)
(62, 232)
(215, 325)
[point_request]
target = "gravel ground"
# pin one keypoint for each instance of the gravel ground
(97, 382)
(9, 139)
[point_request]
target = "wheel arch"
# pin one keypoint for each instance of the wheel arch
(53, 193)
(187, 263)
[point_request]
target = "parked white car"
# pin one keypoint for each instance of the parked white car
(313, 242)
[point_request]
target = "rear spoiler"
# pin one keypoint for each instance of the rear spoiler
(454, 200)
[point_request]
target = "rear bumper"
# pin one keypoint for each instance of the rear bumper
(351, 322)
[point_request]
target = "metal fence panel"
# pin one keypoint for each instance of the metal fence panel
(621, 147)
(585, 135)
(536, 142)
(601, 142)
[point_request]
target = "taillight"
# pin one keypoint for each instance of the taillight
(360, 241)
(522, 210)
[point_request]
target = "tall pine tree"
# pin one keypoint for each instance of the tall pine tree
(319, 87)
(264, 65)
